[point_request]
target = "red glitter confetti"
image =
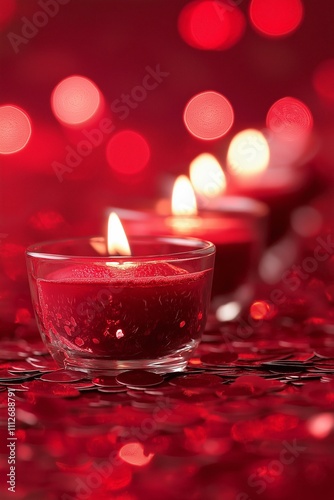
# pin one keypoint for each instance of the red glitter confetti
(105, 382)
(139, 378)
(219, 359)
(46, 389)
(62, 376)
(189, 381)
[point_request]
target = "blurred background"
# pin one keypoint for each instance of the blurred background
(105, 102)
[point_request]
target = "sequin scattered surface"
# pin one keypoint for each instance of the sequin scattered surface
(247, 419)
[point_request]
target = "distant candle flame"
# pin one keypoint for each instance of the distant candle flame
(117, 242)
(99, 245)
(207, 176)
(248, 153)
(183, 197)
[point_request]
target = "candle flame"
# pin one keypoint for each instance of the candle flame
(183, 197)
(248, 153)
(117, 242)
(207, 176)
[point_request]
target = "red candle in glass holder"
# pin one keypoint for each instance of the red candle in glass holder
(237, 228)
(273, 168)
(231, 227)
(98, 310)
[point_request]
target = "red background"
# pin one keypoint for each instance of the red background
(112, 42)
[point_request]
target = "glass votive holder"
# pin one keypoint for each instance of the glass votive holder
(101, 313)
(237, 226)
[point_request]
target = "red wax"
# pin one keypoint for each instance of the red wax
(123, 312)
(236, 264)
(282, 189)
(237, 248)
(238, 240)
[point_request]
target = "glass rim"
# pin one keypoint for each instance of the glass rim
(197, 248)
(236, 204)
(226, 205)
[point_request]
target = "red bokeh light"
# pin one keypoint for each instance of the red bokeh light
(323, 79)
(15, 129)
(76, 100)
(12, 258)
(208, 116)
(23, 316)
(133, 453)
(46, 220)
(7, 11)
(275, 18)
(321, 425)
(262, 309)
(120, 478)
(128, 152)
(290, 118)
(211, 24)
